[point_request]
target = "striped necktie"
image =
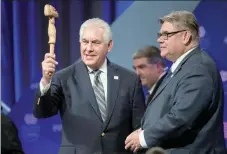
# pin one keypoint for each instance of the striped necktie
(100, 94)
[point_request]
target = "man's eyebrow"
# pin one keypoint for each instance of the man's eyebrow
(164, 31)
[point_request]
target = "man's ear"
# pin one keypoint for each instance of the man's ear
(110, 45)
(187, 37)
(159, 66)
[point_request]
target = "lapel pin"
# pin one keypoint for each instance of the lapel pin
(115, 77)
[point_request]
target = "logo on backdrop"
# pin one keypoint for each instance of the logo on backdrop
(56, 128)
(224, 80)
(225, 129)
(225, 40)
(30, 131)
(34, 86)
(223, 75)
(204, 39)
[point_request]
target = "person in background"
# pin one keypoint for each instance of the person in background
(10, 141)
(150, 67)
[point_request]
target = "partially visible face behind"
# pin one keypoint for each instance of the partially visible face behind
(93, 47)
(173, 47)
(148, 73)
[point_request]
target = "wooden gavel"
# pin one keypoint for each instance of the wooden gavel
(51, 12)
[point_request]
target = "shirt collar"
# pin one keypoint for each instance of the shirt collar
(179, 60)
(103, 68)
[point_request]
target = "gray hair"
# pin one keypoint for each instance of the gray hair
(152, 53)
(101, 24)
(183, 20)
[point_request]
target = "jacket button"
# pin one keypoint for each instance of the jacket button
(103, 134)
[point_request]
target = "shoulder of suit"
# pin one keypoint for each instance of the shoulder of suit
(124, 70)
(206, 58)
(201, 58)
(69, 69)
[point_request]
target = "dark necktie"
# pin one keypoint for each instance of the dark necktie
(148, 98)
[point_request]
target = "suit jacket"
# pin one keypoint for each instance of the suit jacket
(83, 131)
(150, 96)
(11, 143)
(186, 113)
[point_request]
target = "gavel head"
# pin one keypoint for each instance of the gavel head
(50, 11)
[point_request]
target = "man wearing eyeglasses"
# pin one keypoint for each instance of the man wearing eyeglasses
(186, 113)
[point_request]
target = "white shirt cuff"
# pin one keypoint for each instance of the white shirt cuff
(43, 89)
(142, 139)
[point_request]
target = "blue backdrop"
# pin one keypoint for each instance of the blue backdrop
(211, 16)
(24, 43)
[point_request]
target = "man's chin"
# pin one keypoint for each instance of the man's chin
(89, 62)
(92, 65)
(163, 55)
(143, 83)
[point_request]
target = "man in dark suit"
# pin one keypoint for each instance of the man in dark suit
(150, 67)
(186, 113)
(100, 102)
(11, 143)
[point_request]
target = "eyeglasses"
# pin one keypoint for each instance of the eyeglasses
(166, 35)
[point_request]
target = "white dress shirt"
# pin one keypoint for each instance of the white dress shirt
(103, 77)
(173, 68)
(178, 61)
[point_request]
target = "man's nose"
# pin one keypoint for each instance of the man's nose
(138, 72)
(89, 47)
(159, 40)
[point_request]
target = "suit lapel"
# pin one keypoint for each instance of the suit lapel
(162, 86)
(113, 82)
(82, 77)
(155, 89)
(167, 80)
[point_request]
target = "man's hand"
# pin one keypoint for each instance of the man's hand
(133, 142)
(48, 68)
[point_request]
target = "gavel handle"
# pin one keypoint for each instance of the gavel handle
(52, 52)
(51, 48)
